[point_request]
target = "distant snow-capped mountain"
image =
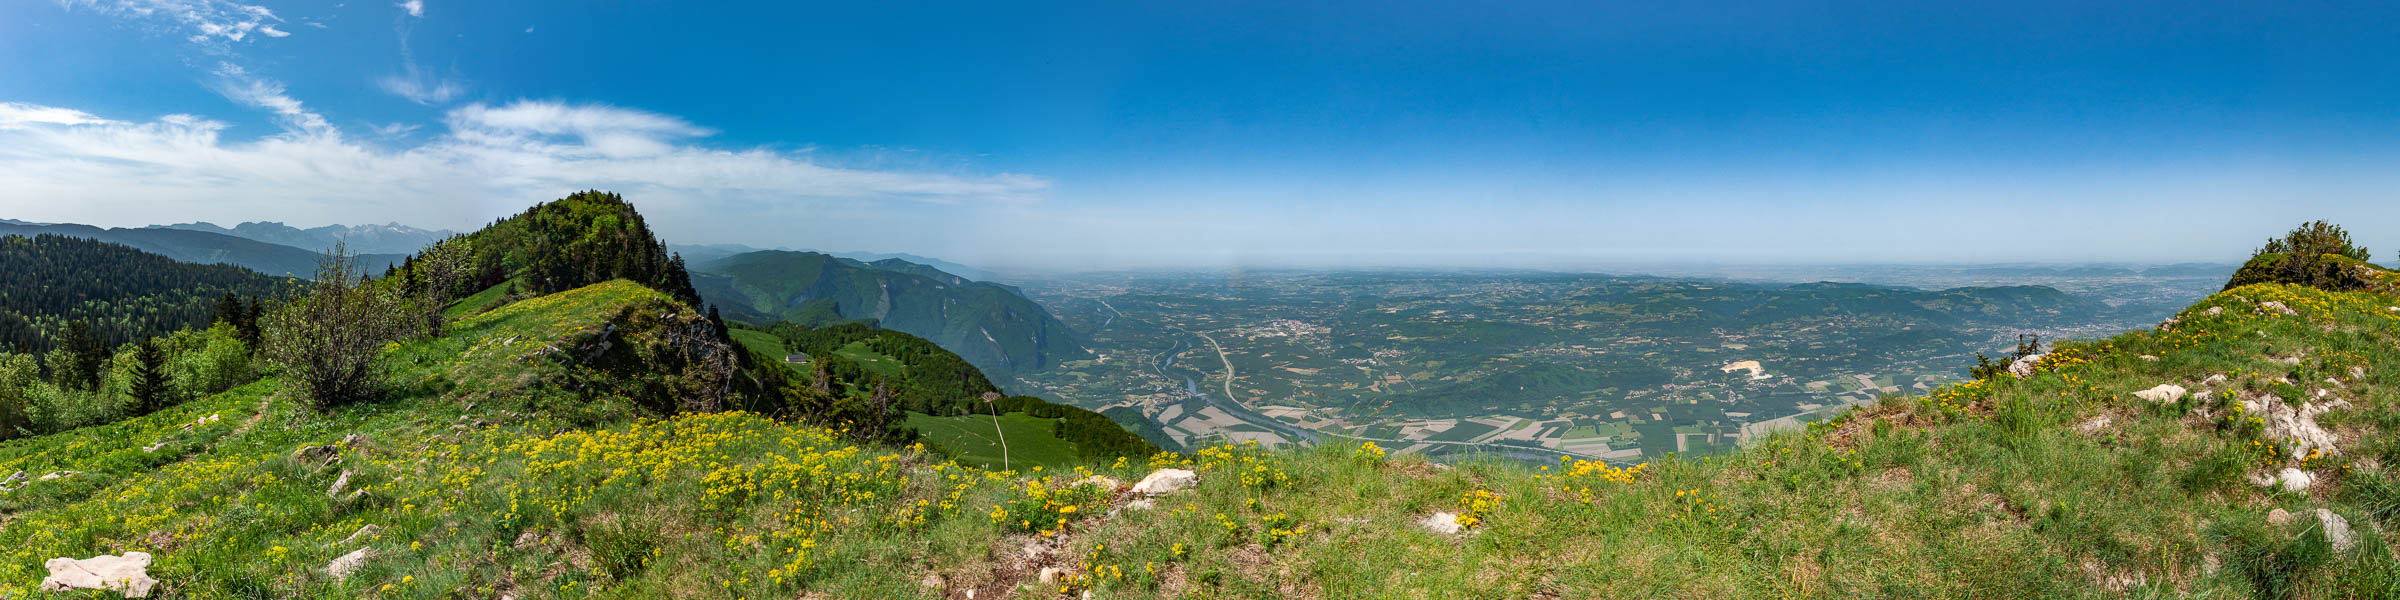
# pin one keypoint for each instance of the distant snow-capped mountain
(390, 238)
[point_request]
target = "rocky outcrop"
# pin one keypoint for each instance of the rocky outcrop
(664, 355)
(2295, 427)
(127, 574)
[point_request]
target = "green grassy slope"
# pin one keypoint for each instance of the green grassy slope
(925, 379)
(485, 481)
(973, 440)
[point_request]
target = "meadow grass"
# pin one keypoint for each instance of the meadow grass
(971, 440)
(485, 479)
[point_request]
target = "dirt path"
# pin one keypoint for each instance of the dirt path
(256, 415)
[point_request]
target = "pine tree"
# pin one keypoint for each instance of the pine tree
(87, 358)
(248, 327)
(152, 389)
(229, 309)
(723, 334)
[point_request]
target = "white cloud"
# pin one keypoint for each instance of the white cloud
(201, 21)
(14, 115)
(415, 8)
(240, 86)
(420, 88)
(69, 165)
(603, 130)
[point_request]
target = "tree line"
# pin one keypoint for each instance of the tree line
(112, 293)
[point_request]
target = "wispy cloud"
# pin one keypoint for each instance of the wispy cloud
(240, 86)
(14, 115)
(414, 83)
(67, 164)
(603, 130)
(200, 21)
(415, 86)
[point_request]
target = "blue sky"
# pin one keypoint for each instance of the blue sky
(1131, 134)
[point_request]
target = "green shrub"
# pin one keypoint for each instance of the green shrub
(2316, 254)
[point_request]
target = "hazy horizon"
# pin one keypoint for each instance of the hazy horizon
(1348, 135)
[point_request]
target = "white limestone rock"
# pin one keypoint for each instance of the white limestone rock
(364, 533)
(1166, 481)
(2023, 367)
(2337, 530)
(2294, 480)
(2162, 394)
(2295, 427)
(2214, 311)
(342, 567)
(2278, 307)
(2093, 426)
(127, 574)
(1445, 523)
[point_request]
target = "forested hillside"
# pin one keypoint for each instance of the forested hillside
(118, 294)
(993, 326)
(582, 239)
(202, 247)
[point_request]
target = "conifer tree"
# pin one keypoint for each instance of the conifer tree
(152, 389)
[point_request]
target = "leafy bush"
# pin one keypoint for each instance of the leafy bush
(2027, 345)
(2316, 254)
(330, 342)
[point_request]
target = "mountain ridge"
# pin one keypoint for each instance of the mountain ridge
(391, 238)
(993, 326)
(203, 247)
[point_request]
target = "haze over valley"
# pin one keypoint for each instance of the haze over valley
(1586, 300)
